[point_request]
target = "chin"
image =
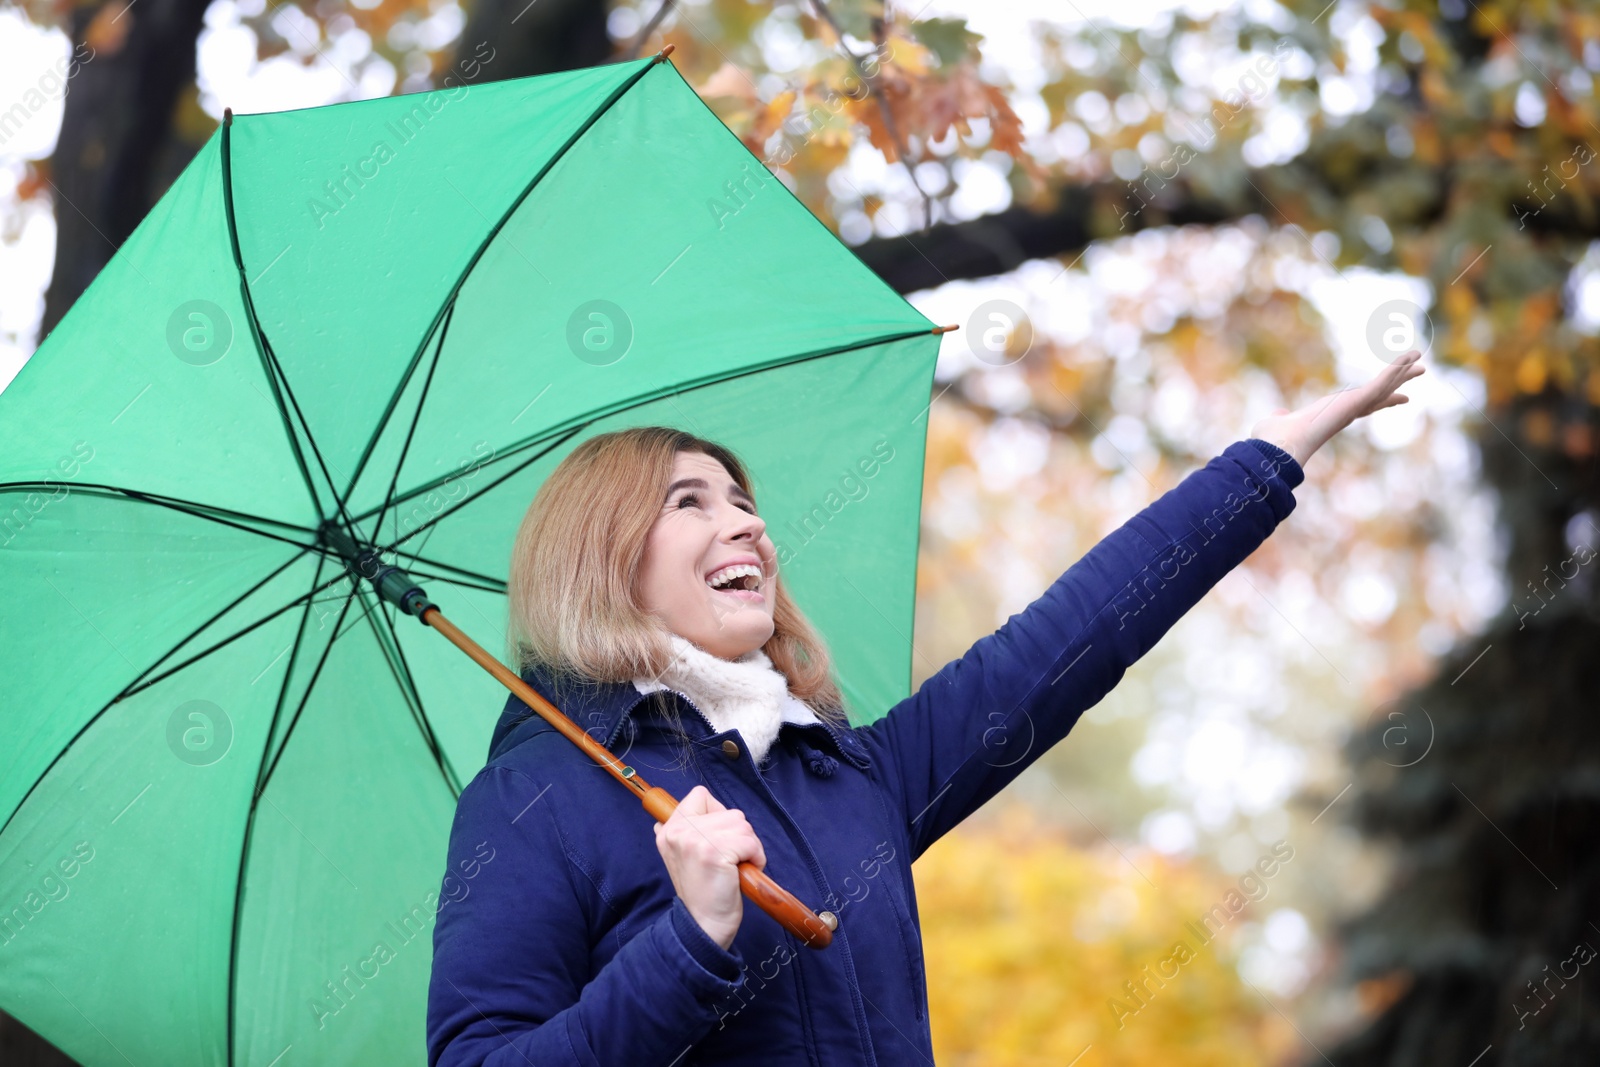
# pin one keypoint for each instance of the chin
(754, 642)
(732, 645)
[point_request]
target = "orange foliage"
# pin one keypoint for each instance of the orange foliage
(1030, 942)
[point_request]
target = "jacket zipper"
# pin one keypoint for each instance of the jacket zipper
(863, 1032)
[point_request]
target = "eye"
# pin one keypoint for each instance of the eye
(690, 498)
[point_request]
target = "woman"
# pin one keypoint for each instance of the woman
(646, 604)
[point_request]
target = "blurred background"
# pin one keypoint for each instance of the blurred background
(1359, 784)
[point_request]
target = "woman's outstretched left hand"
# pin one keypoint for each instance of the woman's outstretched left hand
(1300, 433)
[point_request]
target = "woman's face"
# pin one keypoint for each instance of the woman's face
(707, 523)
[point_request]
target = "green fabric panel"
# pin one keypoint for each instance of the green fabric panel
(346, 854)
(128, 960)
(624, 216)
(105, 587)
(345, 297)
(108, 377)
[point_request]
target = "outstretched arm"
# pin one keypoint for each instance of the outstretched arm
(982, 719)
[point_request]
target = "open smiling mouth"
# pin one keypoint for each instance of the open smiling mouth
(741, 582)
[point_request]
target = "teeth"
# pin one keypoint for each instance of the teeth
(727, 575)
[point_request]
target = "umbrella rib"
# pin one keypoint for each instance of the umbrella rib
(495, 585)
(274, 369)
(189, 507)
(265, 769)
(134, 687)
(416, 416)
(261, 786)
(515, 450)
(250, 313)
(310, 440)
(467, 500)
(483, 246)
(262, 778)
(408, 685)
(450, 580)
(250, 817)
(378, 533)
(636, 402)
(639, 401)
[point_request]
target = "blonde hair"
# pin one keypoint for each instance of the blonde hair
(573, 597)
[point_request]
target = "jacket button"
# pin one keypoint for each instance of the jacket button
(730, 749)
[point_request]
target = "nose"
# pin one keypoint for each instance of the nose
(745, 527)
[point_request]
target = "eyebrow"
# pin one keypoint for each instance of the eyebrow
(700, 483)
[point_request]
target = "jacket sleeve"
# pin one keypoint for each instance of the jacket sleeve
(512, 950)
(982, 719)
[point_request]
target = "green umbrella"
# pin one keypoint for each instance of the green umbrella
(227, 769)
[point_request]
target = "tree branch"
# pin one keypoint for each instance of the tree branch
(649, 28)
(883, 106)
(1296, 192)
(995, 244)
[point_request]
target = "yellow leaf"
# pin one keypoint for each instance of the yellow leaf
(906, 54)
(1532, 372)
(772, 116)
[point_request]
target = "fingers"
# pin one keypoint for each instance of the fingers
(1382, 387)
(713, 832)
(747, 846)
(696, 832)
(1407, 367)
(732, 841)
(1403, 369)
(698, 801)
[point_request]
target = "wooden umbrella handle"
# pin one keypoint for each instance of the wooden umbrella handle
(813, 930)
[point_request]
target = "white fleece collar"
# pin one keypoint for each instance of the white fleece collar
(748, 694)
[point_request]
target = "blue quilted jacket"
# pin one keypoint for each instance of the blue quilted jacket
(560, 940)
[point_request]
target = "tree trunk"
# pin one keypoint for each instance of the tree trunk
(116, 153)
(536, 36)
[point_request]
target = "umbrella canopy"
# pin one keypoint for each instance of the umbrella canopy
(227, 773)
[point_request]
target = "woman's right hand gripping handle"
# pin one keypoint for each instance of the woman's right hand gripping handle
(702, 843)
